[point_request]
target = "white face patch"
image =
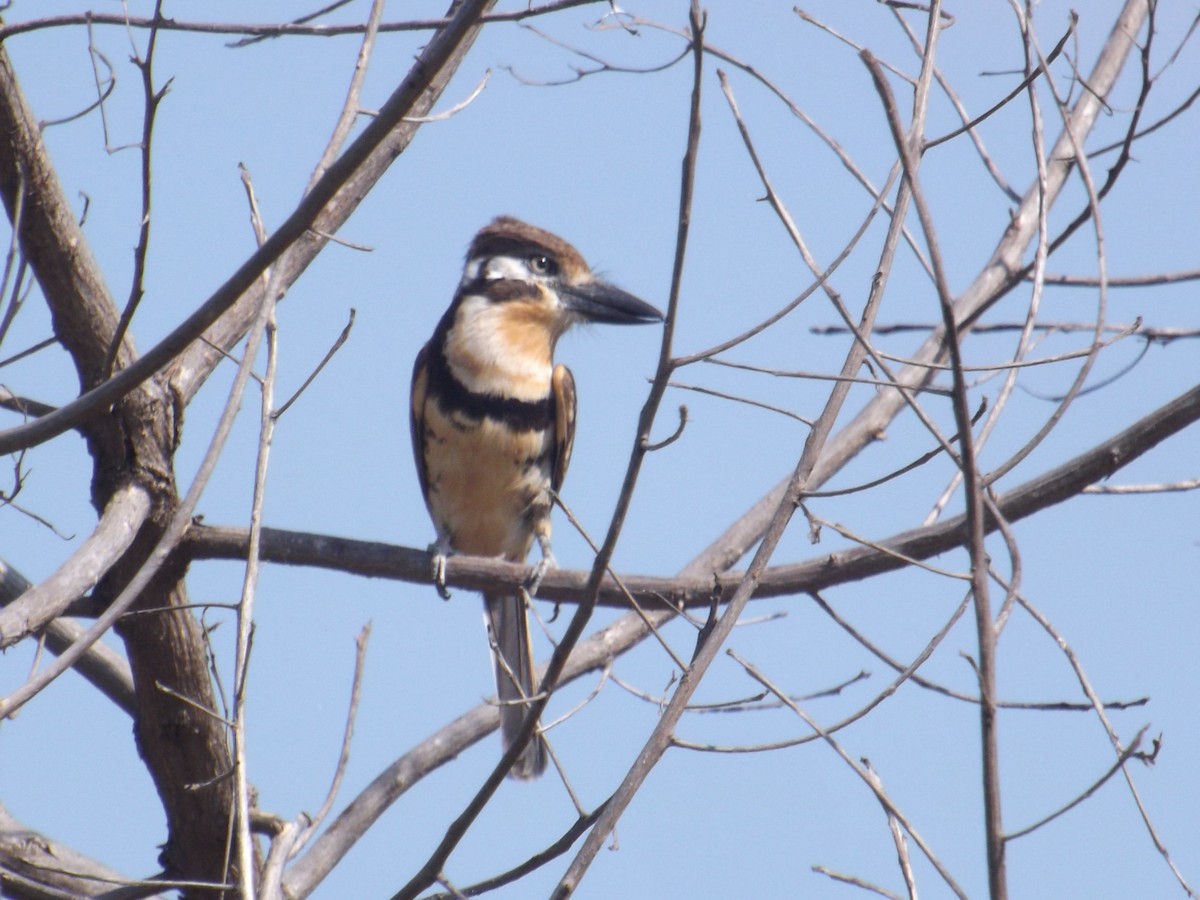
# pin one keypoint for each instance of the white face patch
(497, 268)
(501, 268)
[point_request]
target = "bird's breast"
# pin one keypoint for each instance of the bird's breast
(488, 482)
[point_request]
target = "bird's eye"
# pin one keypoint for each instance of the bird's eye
(543, 265)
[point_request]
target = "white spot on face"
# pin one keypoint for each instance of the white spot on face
(498, 268)
(501, 268)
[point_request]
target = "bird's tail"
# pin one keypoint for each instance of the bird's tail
(508, 626)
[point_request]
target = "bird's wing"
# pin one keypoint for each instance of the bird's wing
(416, 417)
(564, 423)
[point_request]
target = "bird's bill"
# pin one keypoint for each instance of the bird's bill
(598, 301)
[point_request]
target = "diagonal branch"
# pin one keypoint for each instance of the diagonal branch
(124, 515)
(33, 865)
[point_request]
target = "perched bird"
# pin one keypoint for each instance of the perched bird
(493, 421)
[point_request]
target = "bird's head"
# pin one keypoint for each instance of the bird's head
(542, 280)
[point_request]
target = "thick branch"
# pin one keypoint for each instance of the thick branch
(85, 318)
(597, 650)
(271, 29)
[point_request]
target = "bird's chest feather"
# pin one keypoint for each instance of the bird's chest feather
(488, 482)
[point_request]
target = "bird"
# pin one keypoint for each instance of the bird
(493, 425)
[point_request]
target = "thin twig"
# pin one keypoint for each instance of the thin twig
(825, 376)
(329, 354)
(14, 259)
(1094, 196)
(349, 111)
(314, 823)
(1028, 80)
(658, 740)
(858, 769)
(273, 29)
(855, 881)
(906, 144)
(628, 596)
(300, 20)
(677, 433)
(151, 99)
(1129, 752)
(894, 826)
(722, 395)
(1086, 685)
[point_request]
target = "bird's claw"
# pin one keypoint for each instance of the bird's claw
(438, 569)
(539, 571)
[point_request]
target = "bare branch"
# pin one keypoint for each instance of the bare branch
(1090, 693)
(379, 561)
(858, 769)
(166, 544)
(445, 46)
(123, 517)
(722, 395)
(329, 354)
(1128, 753)
(535, 862)
(579, 621)
(676, 434)
(33, 865)
(1171, 487)
(855, 881)
(360, 657)
(297, 28)
(151, 101)
(1002, 271)
(1042, 67)
(351, 107)
(106, 669)
(694, 587)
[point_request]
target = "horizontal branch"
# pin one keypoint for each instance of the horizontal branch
(1136, 329)
(268, 29)
(380, 560)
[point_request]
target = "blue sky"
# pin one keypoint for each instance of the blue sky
(597, 160)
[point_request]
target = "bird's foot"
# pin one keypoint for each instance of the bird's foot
(539, 571)
(437, 567)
